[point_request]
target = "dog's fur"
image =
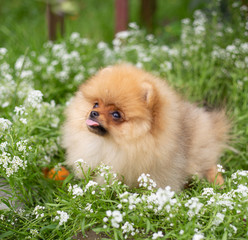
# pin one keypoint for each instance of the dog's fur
(158, 133)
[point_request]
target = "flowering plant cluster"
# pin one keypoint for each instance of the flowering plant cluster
(36, 86)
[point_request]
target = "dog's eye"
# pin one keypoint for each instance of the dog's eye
(116, 115)
(96, 105)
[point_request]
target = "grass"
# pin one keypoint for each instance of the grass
(207, 65)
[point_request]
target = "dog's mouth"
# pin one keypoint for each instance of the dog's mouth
(95, 127)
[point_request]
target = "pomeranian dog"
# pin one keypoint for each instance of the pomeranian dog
(134, 122)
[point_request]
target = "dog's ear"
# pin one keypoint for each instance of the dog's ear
(148, 93)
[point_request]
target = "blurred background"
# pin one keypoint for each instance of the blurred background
(23, 23)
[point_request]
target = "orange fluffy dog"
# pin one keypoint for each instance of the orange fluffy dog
(128, 119)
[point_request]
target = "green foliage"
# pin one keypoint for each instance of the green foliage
(208, 65)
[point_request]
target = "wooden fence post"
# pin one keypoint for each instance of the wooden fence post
(121, 15)
(148, 8)
(52, 21)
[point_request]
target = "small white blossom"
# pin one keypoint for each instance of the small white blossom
(108, 213)
(105, 219)
(133, 25)
(146, 182)
(63, 217)
(38, 211)
(34, 98)
(24, 121)
(122, 35)
(26, 74)
(198, 236)
(208, 192)
(3, 51)
(3, 146)
(34, 232)
(88, 208)
(19, 110)
(22, 63)
(181, 232)
(75, 36)
(102, 45)
(116, 218)
(218, 219)
(4, 124)
(89, 185)
(220, 168)
(127, 227)
(75, 190)
(194, 206)
(157, 235)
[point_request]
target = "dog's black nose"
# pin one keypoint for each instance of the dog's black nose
(94, 114)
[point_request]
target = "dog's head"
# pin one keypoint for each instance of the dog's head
(123, 102)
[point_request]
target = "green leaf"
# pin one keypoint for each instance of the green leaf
(6, 234)
(148, 226)
(224, 236)
(49, 227)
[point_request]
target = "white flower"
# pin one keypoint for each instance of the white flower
(218, 219)
(62, 76)
(88, 208)
(232, 49)
(164, 196)
(157, 235)
(22, 63)
(242, 191)
(194, 206)
(3, 146)
(34, 98)
(17, 163)
(220, 168)
(79, 77)
(119, 206)
(116, 218)
(133, 25)
(208, 191)
(128, 228)
(109, 213)
(5, 104)
(116, 42)
(102, 45)
(80, 161)
(3, 51)
(150, 38)
(114, 223)
(244, 47)
(74, 37)
(5, 159)
(234, 228)
(90, 184)
(198, 236)
(37, 210)
(4, 124)
(181, 232)
(63, 217)
(185, 21)
(23, 120)
(19, 110)
(122, 34)
(26, 74)
(34, 232)
(50, 70)
(75, 190)
(239, 174)
(42, 60)
(146, 182)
